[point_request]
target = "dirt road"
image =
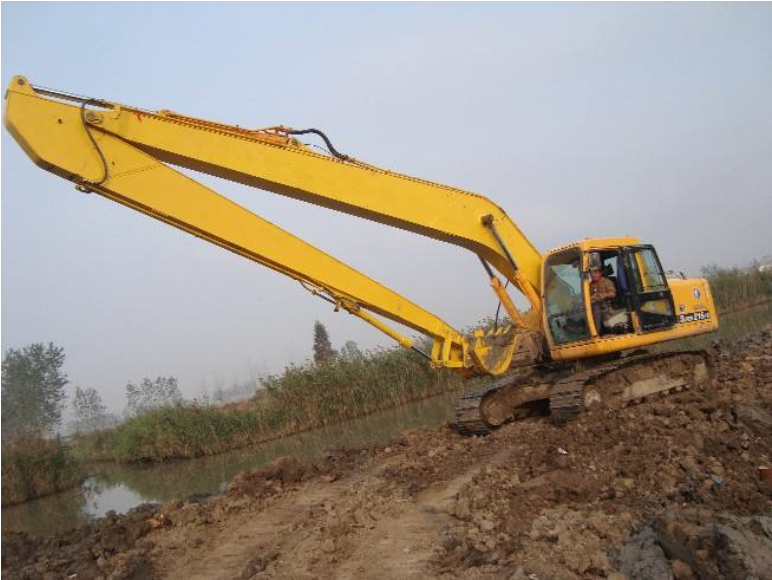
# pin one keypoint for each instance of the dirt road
(665, 489)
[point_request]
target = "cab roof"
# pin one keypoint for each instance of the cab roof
(588, 244)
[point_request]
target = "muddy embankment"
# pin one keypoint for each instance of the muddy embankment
(666, 489)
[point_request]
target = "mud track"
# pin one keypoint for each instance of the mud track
(666, 489)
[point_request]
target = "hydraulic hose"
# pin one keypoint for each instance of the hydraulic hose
(333, 151)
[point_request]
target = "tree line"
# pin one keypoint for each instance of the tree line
(34, 397)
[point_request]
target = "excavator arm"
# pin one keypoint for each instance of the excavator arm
(122, 152)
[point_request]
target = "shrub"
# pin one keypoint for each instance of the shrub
(35, 467)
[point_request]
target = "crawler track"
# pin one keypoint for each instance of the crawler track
(479, 412)
(613, 384)
(511, 397)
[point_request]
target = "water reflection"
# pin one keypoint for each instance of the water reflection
(60, 511)
(121, 487)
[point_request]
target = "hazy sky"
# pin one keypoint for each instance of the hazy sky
(580, 120)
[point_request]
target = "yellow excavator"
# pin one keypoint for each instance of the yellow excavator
(555, 358)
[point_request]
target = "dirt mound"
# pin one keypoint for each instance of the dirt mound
(111, 546)
(665, 489)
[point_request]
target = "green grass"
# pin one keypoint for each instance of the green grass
(301, 398)
(313, 395)
(35, 467)
(734, 288)
(188, 430)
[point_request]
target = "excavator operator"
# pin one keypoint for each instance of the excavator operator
(601, 291)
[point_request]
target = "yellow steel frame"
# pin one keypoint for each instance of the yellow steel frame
(136, 145)
(258, 159)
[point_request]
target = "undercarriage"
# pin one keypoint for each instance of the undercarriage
(563, 391)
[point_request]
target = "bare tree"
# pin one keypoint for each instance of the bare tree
(350, 351)
(90, 412)
(152, 394)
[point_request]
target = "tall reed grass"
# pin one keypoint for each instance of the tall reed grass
(733, 288)
(35, 467)
(313, 395)
(301, 398)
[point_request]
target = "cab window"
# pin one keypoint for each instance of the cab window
(651, 277)
(564, 304)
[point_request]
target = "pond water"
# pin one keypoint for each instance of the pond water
(121, 487)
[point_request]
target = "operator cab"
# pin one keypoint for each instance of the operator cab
(643, 301)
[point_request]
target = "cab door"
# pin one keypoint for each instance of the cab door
(649, 292)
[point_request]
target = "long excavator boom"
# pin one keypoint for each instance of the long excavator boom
(359, 189)
(121, 153)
